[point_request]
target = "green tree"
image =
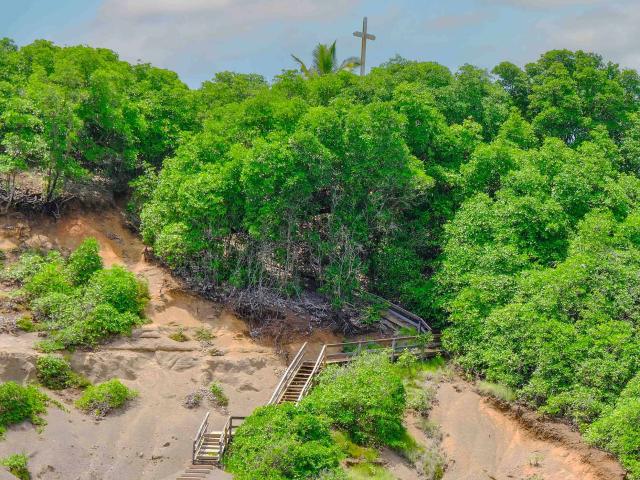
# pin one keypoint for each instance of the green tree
(325, 60)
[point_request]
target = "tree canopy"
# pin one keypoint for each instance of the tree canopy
(502, 205)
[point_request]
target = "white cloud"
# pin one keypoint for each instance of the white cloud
(184, 34)
(610, 30)
(466, 19)
(547, 4)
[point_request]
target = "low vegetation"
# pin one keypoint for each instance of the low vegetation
(102, 398)
(219, 397)
(354, 409)
(17, 466)
(366, 399)
(55, 373)
(179, 336)
(19, 403)
(75, 300)
(282, 442)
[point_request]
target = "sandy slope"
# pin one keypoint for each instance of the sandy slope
(484, 443)
(152, 439)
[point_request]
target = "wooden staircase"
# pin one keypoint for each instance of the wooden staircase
(209, 451)
(195, 472)
(298, 379)
(297, 383)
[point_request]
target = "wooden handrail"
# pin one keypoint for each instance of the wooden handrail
(289, 372)
(314, 372)
(200, 435)
(374, 340)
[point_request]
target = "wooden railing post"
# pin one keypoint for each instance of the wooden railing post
(393, 350)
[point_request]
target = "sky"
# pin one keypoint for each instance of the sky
(198, 38)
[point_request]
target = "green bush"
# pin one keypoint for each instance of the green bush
(118, 287)
(84, 261)
(26, 324)
(366, 398)
(618, 429)
(25, 268)
(100, 399)
(17, 465)
(56, 373)
(219, 395)
(79, 303)
(282, 442)
(18, 403)
(51, 278)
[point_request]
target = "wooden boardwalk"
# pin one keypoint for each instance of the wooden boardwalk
(297, 380)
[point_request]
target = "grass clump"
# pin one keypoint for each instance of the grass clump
(17, 466)
(495, 390)
(368, 471)
(19, 403)
(219, 396)
(26, 324)
(179, 336)
(102, 398)
(203, 334)
(56, 373)
(283, 442)
(77, 301)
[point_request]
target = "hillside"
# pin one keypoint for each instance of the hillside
(502, 206)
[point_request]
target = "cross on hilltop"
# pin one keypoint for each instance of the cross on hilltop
(365, 36)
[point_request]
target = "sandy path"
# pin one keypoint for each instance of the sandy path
(151, 439)
(482, 442)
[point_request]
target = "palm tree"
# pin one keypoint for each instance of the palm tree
(325, 61)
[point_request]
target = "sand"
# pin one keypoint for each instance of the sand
(152, 439)
(482, 442)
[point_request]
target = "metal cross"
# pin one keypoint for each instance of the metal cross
(365, 36)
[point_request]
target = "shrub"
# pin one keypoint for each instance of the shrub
(17, 465)
(84, 261)
(203, 335)
(26, 324)
(55, 373)
(179, 336)
(282, 442)
(218, 394)
(25, 268)
(618, 429)
(100, 399)
(57, 309)
(51, 278)
(18, 403)
(366, 398)
(118, 287)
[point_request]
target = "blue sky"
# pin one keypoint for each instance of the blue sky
(197, 38)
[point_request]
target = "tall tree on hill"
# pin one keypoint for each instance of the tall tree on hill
(325, 60)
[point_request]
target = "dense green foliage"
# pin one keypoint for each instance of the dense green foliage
(366, 398)
(77, 301)
(502, 206)
(75, 111)
(18, 403)
(56, 373)
(282, 442)
(101, 398)
(17, 466)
